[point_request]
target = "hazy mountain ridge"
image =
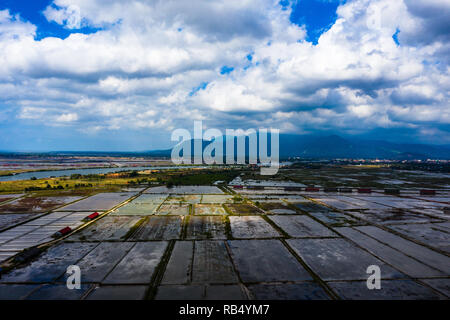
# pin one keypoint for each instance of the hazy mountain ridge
(304, 146)
(333, 146)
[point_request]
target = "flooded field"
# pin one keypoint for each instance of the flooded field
(191, 242)
(35, 204)
(99, 202)
(8, 197)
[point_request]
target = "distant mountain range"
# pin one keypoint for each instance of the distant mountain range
(305, 146)
(333, 147)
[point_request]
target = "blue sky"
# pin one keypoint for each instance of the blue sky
(95, 75)
(317, 15)
(33, 11)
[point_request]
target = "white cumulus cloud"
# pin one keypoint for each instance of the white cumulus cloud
(157, 65)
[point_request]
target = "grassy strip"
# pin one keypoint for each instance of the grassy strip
(64, 183)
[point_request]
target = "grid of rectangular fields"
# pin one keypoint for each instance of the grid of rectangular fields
(181, 243)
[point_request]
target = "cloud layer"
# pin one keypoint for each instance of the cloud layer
(156, 65)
